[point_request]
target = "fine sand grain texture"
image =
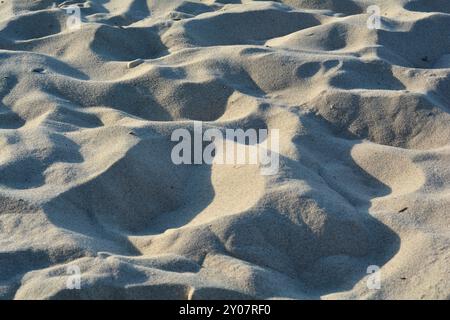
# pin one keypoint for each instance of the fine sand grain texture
(87, 182)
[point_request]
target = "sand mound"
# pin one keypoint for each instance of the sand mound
(86, 178)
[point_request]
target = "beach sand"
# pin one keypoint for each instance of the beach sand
(93, 207)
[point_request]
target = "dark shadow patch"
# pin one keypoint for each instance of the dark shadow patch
(346, 7)
(127, 44)
(233, 28)
(47, 23)
(428, 6)
(8, 118)
(308, 70)
(416, 46)
(376, 75)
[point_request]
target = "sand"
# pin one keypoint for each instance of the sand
(92, 207)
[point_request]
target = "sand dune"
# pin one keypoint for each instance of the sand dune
(87, 180)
